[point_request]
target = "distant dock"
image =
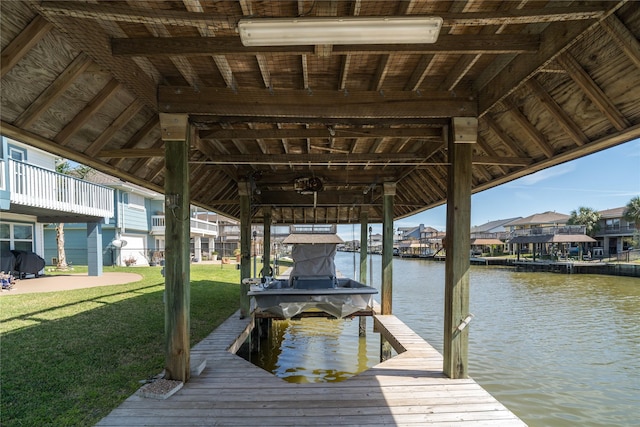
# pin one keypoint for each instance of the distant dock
(409, 389)
(564, 267)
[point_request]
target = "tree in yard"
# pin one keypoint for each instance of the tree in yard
(587, 217)
(79, 171)
(632, 211)
(632, 215)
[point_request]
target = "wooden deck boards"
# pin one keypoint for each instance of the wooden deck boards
(408, 390)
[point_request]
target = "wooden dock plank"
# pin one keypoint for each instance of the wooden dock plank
(407, 390)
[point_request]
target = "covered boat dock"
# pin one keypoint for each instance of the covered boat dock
(164, 94)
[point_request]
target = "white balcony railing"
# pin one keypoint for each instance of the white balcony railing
(546, 231)
(197, 226)
(41, 188)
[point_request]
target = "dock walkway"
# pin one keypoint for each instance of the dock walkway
(407, 390)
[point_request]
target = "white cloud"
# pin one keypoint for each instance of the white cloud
(543, 175)
(523, 195)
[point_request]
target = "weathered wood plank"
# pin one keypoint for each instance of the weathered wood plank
(299, 103)
(409, 389)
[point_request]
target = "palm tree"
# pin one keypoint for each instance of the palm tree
(632, 215)
(587, 217)
(632, 212)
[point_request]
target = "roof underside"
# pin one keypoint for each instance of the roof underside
(549, 81)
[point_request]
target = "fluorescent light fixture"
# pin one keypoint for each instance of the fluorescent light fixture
(333, 30)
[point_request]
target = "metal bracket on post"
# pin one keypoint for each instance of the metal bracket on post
(465, 322)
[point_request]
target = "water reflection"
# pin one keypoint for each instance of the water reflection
(558, 350)
(317, 350)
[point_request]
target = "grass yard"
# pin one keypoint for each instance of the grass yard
(68, 358)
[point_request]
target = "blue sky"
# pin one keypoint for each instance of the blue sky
(604, 180)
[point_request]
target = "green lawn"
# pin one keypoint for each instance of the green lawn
(68, 358)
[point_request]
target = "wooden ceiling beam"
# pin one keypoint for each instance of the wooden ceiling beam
(563, 119)
(105, 94)
(420, 72)
(525, 125)
(204, 121)
(503, 137)
(152, 124)
(319, 104)
(627, 41)
(181, 63)
(220, 60)
(323, 199)
(242, 149)
(53, 91)
(418, 192)
(434, 133)
(200, 179)
(381, 72)
(98, 47)
(435, 183)
(502, 77)
(481, 170)
(484, 146)
(327, 158)
(144, 162)
(125, 116)
(353, 178)
(432, 190)
(22, 44)
(230, 171)
(209, 20)
(231, 45)
(155, 172)
(593, 91)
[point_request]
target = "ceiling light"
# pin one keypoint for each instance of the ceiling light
(332, 30)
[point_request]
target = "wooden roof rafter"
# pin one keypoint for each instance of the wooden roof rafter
(377, 100)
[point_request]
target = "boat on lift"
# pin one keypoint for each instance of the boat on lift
(312, 284)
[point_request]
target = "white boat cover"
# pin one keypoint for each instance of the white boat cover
(313, 260)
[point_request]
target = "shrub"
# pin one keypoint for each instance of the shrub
(131, 260)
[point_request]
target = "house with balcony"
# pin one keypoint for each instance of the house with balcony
(546, 233)
(615, 233)
(33, 196)
(420, 241)
(490, 237)
(135, 233)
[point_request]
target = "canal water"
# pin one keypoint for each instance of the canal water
(558, 350)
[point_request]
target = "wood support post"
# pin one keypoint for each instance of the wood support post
(387, 246)
(176, 135)
(456, 295)
(94, 248)
(385, 349)
(364, 244)
(266, 242)
(364, 224)
(244, 191)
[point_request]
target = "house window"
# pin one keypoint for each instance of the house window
(18, 154)
(612, 224)
(135, 201)
(18, 237)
